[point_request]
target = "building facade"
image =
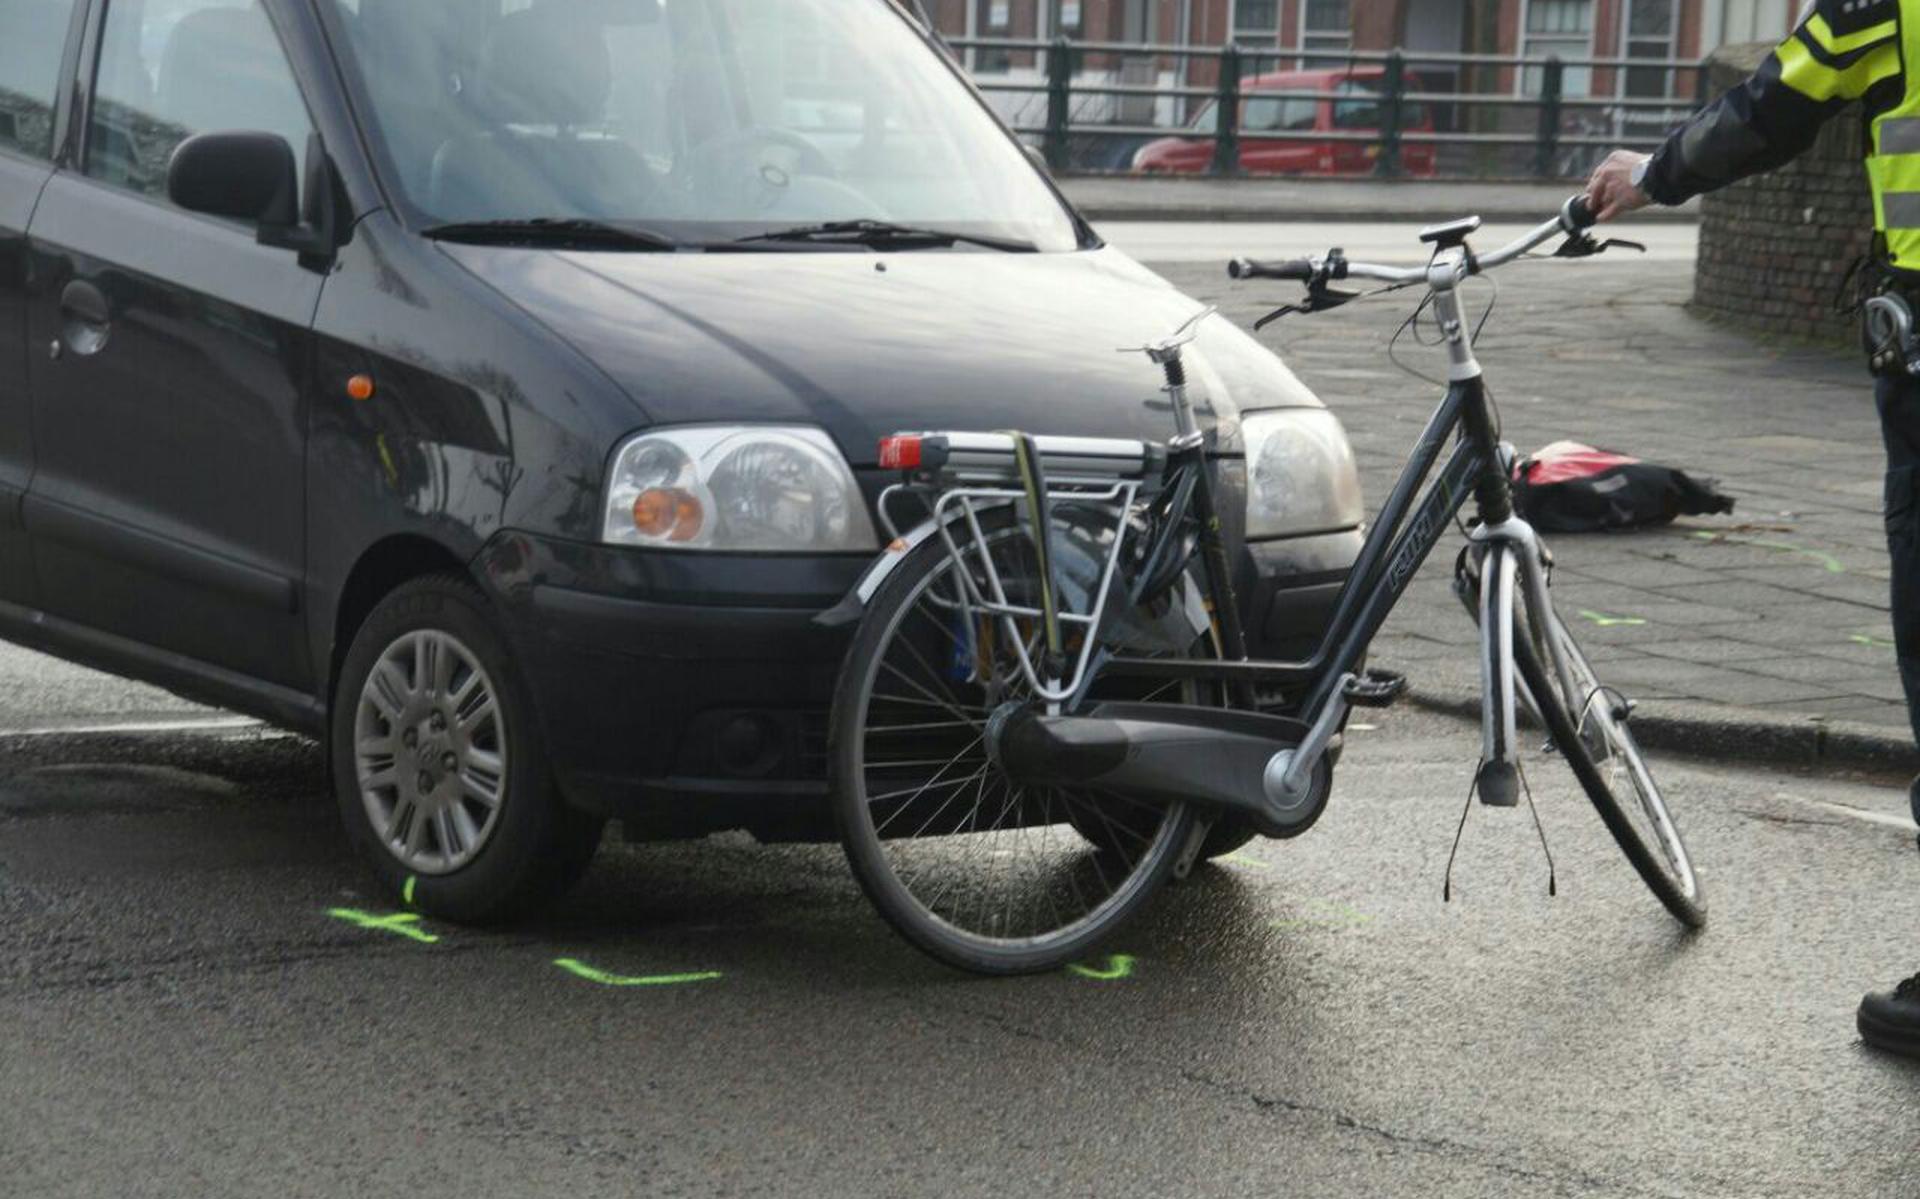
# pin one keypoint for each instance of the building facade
(1603, 103)
(1572, 29)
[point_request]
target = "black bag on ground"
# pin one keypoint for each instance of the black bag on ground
(1572, 488)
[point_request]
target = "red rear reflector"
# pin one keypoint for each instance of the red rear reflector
(899, 453)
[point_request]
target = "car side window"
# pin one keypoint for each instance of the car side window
(33, 38)
(1360, 109)
(1265, 114)
(1363, 107)
(173, 68)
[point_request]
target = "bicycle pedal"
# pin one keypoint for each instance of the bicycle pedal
(1498, 785)
(1375, 689)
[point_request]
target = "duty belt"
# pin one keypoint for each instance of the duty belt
(1892, 348)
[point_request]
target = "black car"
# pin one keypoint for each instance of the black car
(493, 387)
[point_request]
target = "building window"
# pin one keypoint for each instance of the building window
(1650, 31)
(1327, 26)
(1558, 28)
(1256, 22)
(1650, 34)
(1757, 20)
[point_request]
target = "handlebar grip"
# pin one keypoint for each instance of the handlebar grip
(1579, 215)
(1300, 270)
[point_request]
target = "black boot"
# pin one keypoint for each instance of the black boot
(1890, 1020)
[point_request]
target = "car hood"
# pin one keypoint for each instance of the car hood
(867, 344)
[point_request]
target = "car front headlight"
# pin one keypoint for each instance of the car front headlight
(731, 488)
(1301, 476)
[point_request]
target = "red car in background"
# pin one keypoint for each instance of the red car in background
(1346, 101)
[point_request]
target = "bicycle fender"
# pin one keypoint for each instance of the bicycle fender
(854, 606)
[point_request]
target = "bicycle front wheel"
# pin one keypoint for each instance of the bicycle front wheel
(972, 867)
(1588, 724)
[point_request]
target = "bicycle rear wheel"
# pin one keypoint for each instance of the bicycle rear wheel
(968, 865)
(1601, 750)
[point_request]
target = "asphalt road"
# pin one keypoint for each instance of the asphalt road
(200, 995)
(181, 1015)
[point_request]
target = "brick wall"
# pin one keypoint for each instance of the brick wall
(1774, 249)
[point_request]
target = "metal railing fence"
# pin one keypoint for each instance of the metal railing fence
(1519, 83)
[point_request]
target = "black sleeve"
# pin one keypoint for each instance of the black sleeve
(1838, 53)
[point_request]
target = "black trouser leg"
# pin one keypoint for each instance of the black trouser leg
(1899, 400)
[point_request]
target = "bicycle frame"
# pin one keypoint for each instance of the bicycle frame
(1140, 517)
(1398, 545)
(1410, 525)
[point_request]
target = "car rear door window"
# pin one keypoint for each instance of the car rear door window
(33, 38)
(172, 68)
(1267, 114)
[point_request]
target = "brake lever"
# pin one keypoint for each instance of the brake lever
(1319, 299)
(1582, 245)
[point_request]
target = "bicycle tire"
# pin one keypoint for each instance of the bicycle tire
(1678, 890)
(862, 832)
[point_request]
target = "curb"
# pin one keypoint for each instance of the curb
(1710, 731)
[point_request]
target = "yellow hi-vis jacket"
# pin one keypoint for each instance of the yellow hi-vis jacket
(1844, 50)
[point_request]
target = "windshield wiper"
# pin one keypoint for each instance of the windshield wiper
(554, 231)
(887, 233)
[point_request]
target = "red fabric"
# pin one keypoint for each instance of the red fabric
(1564, 461)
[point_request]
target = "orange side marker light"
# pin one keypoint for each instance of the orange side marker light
(668, 513)
(360, 388)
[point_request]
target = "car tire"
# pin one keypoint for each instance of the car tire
(442, 848)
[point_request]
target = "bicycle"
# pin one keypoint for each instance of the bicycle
(1049, 708)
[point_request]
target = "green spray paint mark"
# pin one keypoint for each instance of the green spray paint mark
(406, 892)
(1119, 966)
(1240, 859)
(580, 969)
(1831, 563)
(1608, 622)
(400, 924)
(1876, 642)
(1326, 913)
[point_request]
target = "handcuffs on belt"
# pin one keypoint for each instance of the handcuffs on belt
(1892, 348)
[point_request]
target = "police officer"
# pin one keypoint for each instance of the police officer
(1844, 50)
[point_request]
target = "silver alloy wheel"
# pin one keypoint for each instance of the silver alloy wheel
(430, 749)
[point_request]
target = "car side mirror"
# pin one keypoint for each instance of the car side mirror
(251, 177)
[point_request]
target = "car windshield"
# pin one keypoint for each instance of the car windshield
(705, 120)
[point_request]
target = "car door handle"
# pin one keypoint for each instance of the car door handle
(86, 318)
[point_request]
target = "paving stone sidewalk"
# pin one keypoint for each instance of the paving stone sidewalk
(1780, 609)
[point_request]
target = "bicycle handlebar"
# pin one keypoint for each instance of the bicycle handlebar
(1576, 216)
(1298, 270)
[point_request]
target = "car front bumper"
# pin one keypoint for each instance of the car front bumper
(705, 705)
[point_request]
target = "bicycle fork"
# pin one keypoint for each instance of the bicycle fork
(1513, 564)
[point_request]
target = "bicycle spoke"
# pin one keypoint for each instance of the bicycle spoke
(991, 860)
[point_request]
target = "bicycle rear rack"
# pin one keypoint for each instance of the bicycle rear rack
(961, 476)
